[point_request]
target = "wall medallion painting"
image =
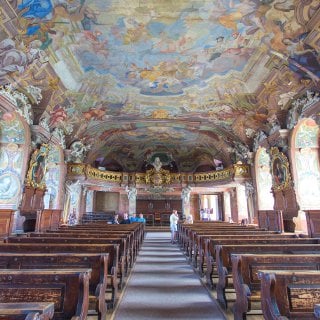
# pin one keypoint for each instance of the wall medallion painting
(281, 178)
(38, 167)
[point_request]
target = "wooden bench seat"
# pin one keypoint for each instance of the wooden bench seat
(224, 264)
(188, 245)
(245, 269)
(201, 247)
(122, 263)
(98, 263)
(188, 239)
(111, 249)
(68, 289)
(27, 311)
(129, 250)
(133, 241)
(290, 294)
(136, 228)
(210, 252)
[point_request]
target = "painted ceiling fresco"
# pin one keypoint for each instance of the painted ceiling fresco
(188, 78)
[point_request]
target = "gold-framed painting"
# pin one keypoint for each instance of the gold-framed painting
(38, 167)
(281, 178)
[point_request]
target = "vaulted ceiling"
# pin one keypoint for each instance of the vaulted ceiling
(192, 80)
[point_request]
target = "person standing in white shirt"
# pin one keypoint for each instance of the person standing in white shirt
(174, 218)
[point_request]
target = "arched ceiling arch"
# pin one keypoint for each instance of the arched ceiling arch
(196, 79)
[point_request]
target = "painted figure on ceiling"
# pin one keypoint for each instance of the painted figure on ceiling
(33, 9)
(14, 59)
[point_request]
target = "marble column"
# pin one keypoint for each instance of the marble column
(250, 191)
(132, 197)
(89, 201)
(227, 206)
(72, 202)
(242, 203)
(185, 196)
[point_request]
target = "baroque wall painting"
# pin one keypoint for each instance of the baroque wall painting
(11, 159)
(11, 128)
(264, 180)
(306, 159)
(12, 135)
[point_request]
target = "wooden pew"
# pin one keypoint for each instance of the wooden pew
(119, 241)
(67, 288)
(132, 243)
(126, 250)
(188, 241)
(211, 243)
(245, 269)
(290, 294)
(27, 311)
(98, 263)
(189, 245)
(137, 229)
(203, 248)
(224, 264)
(111, 249)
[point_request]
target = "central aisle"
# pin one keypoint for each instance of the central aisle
(163, 286)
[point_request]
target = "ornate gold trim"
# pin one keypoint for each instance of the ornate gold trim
(281, 178)
(161, 177)
(93, 173)
(158, 177)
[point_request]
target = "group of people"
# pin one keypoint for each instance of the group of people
(126, 219)
(174, 218)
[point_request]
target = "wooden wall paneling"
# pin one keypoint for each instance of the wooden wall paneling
(6, 222)
(43, 220)
(37, 201)
(313, 223)
(27, 197)
(263, 219)
(55, 218)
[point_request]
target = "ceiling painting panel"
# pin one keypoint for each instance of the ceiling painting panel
(185, 77)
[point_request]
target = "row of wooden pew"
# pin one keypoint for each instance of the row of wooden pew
(75, 268)
(269, 272)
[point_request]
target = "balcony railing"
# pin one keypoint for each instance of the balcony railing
(235, 172)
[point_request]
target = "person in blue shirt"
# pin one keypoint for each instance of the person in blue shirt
(141, 218)
(133, 218)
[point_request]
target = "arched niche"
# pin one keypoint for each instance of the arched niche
(14, 151)
(263, 180)
(305, 163)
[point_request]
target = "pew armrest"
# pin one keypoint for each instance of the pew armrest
(268, 302)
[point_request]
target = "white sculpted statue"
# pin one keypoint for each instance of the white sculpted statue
(185, 194)
(132, 193)
(157, 164)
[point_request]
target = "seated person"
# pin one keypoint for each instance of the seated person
(141, 218)
(115, 219)
(133, 218)
(125, 219)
